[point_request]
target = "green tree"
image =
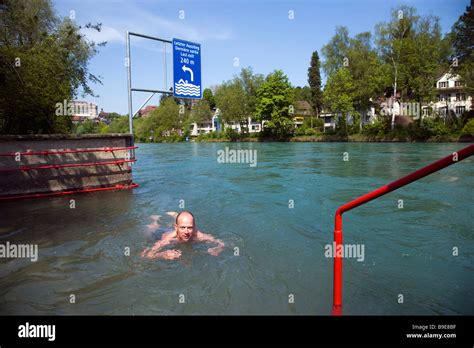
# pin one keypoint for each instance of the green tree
(233, 103)
(339, 94)
(118, 125)
(43, 61)
(302, 93)
(336, 50)
(371, 77)
(200, 111)
(274, 97)
(314, 80)
(416, 51)
(463, 42)
(250, 83)
(161, 122)
(207, 95)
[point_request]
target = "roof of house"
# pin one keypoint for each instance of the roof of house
(146, 110)
(303, 105)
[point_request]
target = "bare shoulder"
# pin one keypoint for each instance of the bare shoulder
(168, 236)
(204, 236)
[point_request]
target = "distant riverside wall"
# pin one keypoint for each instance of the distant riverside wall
(80, 172)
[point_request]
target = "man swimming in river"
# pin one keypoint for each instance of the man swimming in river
(185, 230)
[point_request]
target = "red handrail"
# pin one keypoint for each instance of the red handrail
(420, 173)
(105, 149)
(26, 168)
(60, 193)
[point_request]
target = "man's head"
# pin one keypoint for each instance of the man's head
(185, 226)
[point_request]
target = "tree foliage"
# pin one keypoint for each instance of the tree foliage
(272, 105)
(43, 61)
(314, 80)
(339, 95)
(463, 42)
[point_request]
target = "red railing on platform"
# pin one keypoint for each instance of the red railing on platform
(55, 166)
(60, 193)
(420, 173)
(104, 149)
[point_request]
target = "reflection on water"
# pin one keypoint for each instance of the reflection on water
(92, 253)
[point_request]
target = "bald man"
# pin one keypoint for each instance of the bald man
(185, 230)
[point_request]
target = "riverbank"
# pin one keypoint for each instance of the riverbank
(350, 138)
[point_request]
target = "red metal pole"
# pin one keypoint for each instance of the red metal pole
(420, 173)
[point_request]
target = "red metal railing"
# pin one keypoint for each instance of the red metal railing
(26, 168)
(60, 193)
(56, 166)
(104, 149)
(420, 173)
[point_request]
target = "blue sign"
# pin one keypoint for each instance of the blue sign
(186, 69)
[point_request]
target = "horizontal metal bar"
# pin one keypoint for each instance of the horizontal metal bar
(150, 90)
(150, 37)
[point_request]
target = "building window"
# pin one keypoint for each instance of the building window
(457, 84)
(463, 96)
(443, 84)
(458, 96)
(425, 111)
(460, 110)
(438, 97)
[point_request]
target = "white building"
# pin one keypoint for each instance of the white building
(207, 126)
(82, 110)
(330, 119)
(450, 97)
(215, 125)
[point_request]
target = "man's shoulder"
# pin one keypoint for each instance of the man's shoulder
(168, 235)
(203, 236)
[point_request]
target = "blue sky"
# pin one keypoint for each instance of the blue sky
(259, 33)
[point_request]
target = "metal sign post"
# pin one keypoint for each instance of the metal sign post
(186, 76)
(128, 63)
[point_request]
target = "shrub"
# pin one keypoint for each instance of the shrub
(435, 126)
(231, 134)
(468, 129)
(378, 128)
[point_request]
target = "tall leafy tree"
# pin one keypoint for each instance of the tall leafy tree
(209, 97)
(463, 42)
(200, 111)
(314, 80)
(273, 100)
(336, 50)
(369, 74)
(415, 49)
(302, 93)
(339, 94)
(232, 101)
(250, 83)
(43, 61)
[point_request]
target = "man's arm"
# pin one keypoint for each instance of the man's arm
(207, 238)
(154, 251)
